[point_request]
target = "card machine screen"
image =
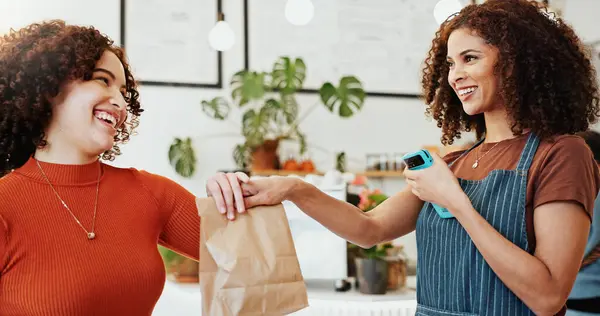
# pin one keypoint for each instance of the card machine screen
(414, 161)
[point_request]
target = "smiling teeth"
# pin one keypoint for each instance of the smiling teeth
(467, 90)
(106, 117)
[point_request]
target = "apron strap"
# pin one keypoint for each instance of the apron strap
(528, 152)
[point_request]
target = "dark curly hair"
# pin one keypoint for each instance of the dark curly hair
(548, 81)
(35, 62)
(592, 139)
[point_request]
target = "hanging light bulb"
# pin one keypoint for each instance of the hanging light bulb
(221, 36)
(446, 8)
(299, 12)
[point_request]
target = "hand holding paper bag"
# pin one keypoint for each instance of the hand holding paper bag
(248, 266)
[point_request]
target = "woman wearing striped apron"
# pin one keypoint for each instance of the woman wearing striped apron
(521, 198)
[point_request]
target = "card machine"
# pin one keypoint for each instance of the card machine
(420, 160)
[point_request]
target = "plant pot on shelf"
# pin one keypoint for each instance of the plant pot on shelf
(185, 271)
(352, 253)
(396, 274)
(264, 157)
(372, 275)
(181, 268)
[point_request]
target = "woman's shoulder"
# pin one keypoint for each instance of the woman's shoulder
(151, 181)
(135, 174)
(11, 183)
(564, 156)
(564, 140)
(565, 147)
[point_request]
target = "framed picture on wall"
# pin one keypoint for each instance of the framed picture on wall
(383, 43)
(167, 42)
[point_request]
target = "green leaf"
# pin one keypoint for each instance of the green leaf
(182, 157)
(340, 162)
(241, 155)
(274, 109)
(169, 256)
(290, 107)
(378, 198)
(328, 92)
(288, 75)
(282, 112)
(247, 86)
(255, 126)
(302, 141)
(217, 108)
(348, 98)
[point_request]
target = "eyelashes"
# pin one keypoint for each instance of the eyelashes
(104, 80)
(467, 59)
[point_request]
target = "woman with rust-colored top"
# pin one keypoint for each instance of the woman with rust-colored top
(521, 198)
(78, 236)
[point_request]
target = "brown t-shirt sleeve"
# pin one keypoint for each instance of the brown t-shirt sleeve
(568, 173)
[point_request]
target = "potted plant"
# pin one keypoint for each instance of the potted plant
(181, 268)
(270, 113)
(371, 266)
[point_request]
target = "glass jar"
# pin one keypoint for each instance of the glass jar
(384, 162)
(372, 162)
(399, 164)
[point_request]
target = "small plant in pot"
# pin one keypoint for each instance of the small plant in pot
(270, 114)
(181, 268)
(370, 264)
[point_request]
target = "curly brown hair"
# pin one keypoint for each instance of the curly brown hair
(35, 62)
(548, 81)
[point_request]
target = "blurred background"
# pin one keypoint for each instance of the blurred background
(324, 90)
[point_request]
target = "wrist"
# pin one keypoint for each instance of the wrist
(461, 204)
(294, 188)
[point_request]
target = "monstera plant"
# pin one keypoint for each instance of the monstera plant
(270, 113)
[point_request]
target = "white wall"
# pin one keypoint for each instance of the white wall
(391, 125)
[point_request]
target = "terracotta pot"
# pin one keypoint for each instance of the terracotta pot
(372, 275)
(396, 274)
(265, 156)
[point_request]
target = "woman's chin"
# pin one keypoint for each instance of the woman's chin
(471, 110)
(104, 145)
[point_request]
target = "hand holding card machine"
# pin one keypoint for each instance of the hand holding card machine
(420, 160)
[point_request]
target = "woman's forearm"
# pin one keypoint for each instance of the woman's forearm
(342, 218)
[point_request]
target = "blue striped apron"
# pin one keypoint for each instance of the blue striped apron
(452, 276)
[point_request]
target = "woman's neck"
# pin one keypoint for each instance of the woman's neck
(497, 126)
(67, 155)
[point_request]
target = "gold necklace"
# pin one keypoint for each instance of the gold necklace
(90, 235)
(477, 158)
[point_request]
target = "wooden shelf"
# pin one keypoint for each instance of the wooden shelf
(369, 174)
(381, 174)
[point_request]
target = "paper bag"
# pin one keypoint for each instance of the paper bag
(248, 266)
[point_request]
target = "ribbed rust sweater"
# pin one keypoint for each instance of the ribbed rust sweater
(49, 267)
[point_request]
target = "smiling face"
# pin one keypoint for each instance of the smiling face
(87, 113)
(471, 72)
